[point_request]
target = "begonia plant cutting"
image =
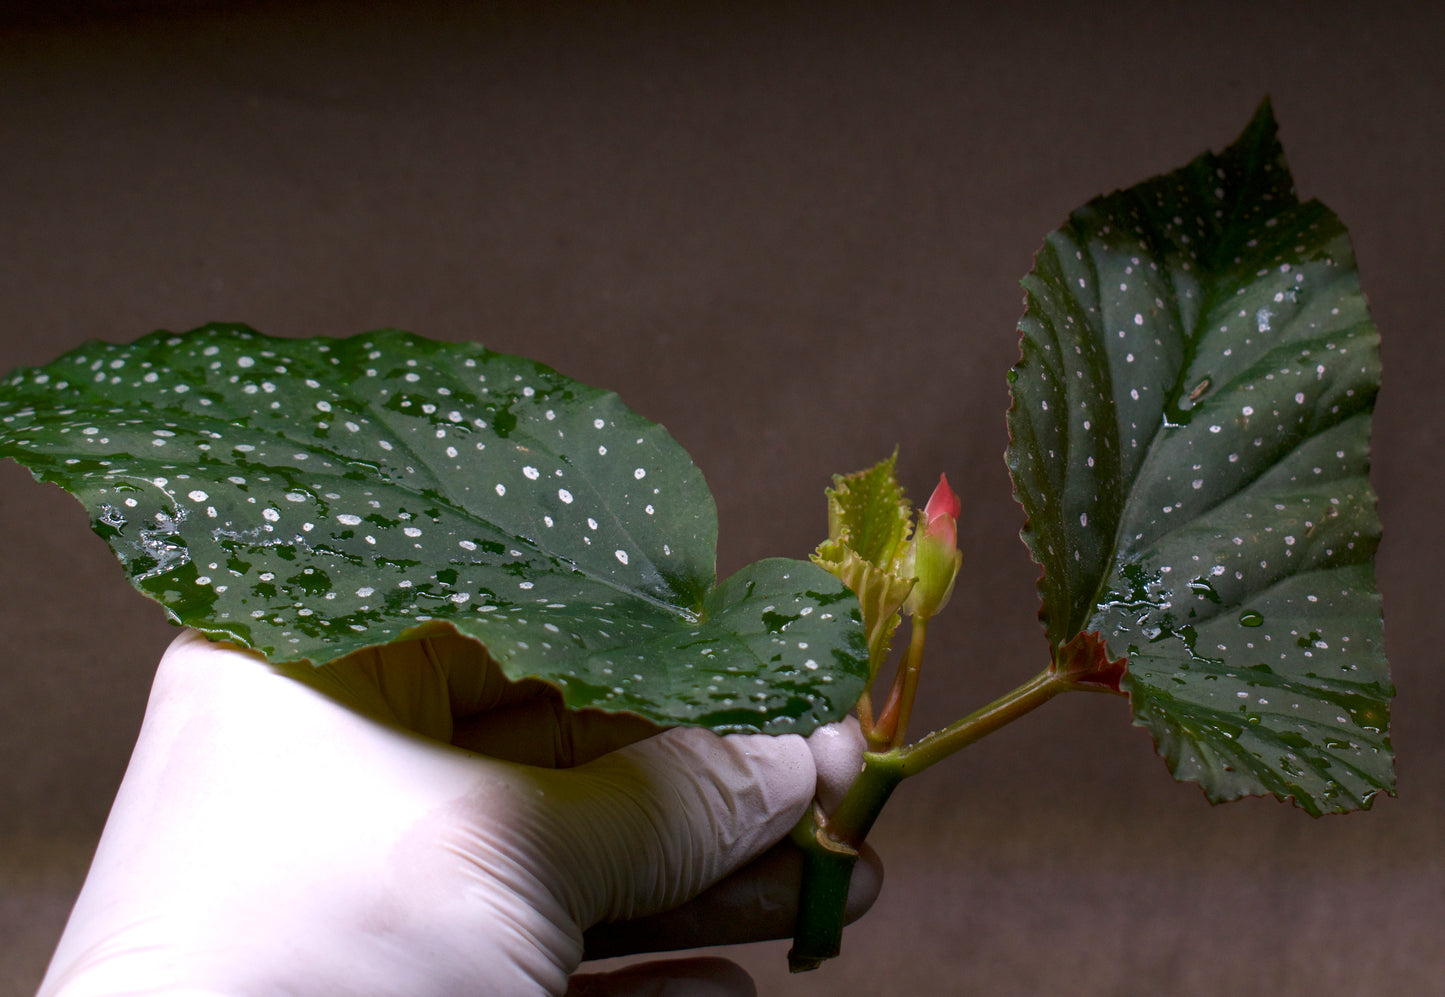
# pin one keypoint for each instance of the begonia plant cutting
(1188, 437)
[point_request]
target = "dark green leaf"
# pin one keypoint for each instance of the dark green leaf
(311, 497)
(1190, 439)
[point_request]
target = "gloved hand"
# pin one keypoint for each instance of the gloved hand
(406, 821)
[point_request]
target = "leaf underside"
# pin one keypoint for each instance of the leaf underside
(1189, 437)
(308, 498)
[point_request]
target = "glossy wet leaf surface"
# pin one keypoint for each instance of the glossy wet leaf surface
(311, 497)
(1190, 441)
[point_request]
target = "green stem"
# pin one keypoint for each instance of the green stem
(912, 664)
(865, 714)
(830, 851)
(850, 823)
(822, 895)
(830, 845)
(983, 721)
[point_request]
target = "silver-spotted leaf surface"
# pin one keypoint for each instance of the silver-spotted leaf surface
(311, 497)
(1190, 440)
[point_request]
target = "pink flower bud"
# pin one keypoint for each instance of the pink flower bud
(942, 511)
(934, 557)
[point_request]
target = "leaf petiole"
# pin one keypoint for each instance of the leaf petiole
(884, 770)
(983, 721)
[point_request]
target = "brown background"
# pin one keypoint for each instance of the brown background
(793, 234)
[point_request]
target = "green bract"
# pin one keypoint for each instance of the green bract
(1190, 440)
(311, 497)
(868, 526)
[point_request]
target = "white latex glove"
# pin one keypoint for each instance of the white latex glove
(408, 822)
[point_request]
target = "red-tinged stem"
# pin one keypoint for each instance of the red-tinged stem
(881, 738)
(882, 733)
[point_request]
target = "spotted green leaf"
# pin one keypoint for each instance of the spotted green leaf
(311, 497)
(1190, 439)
